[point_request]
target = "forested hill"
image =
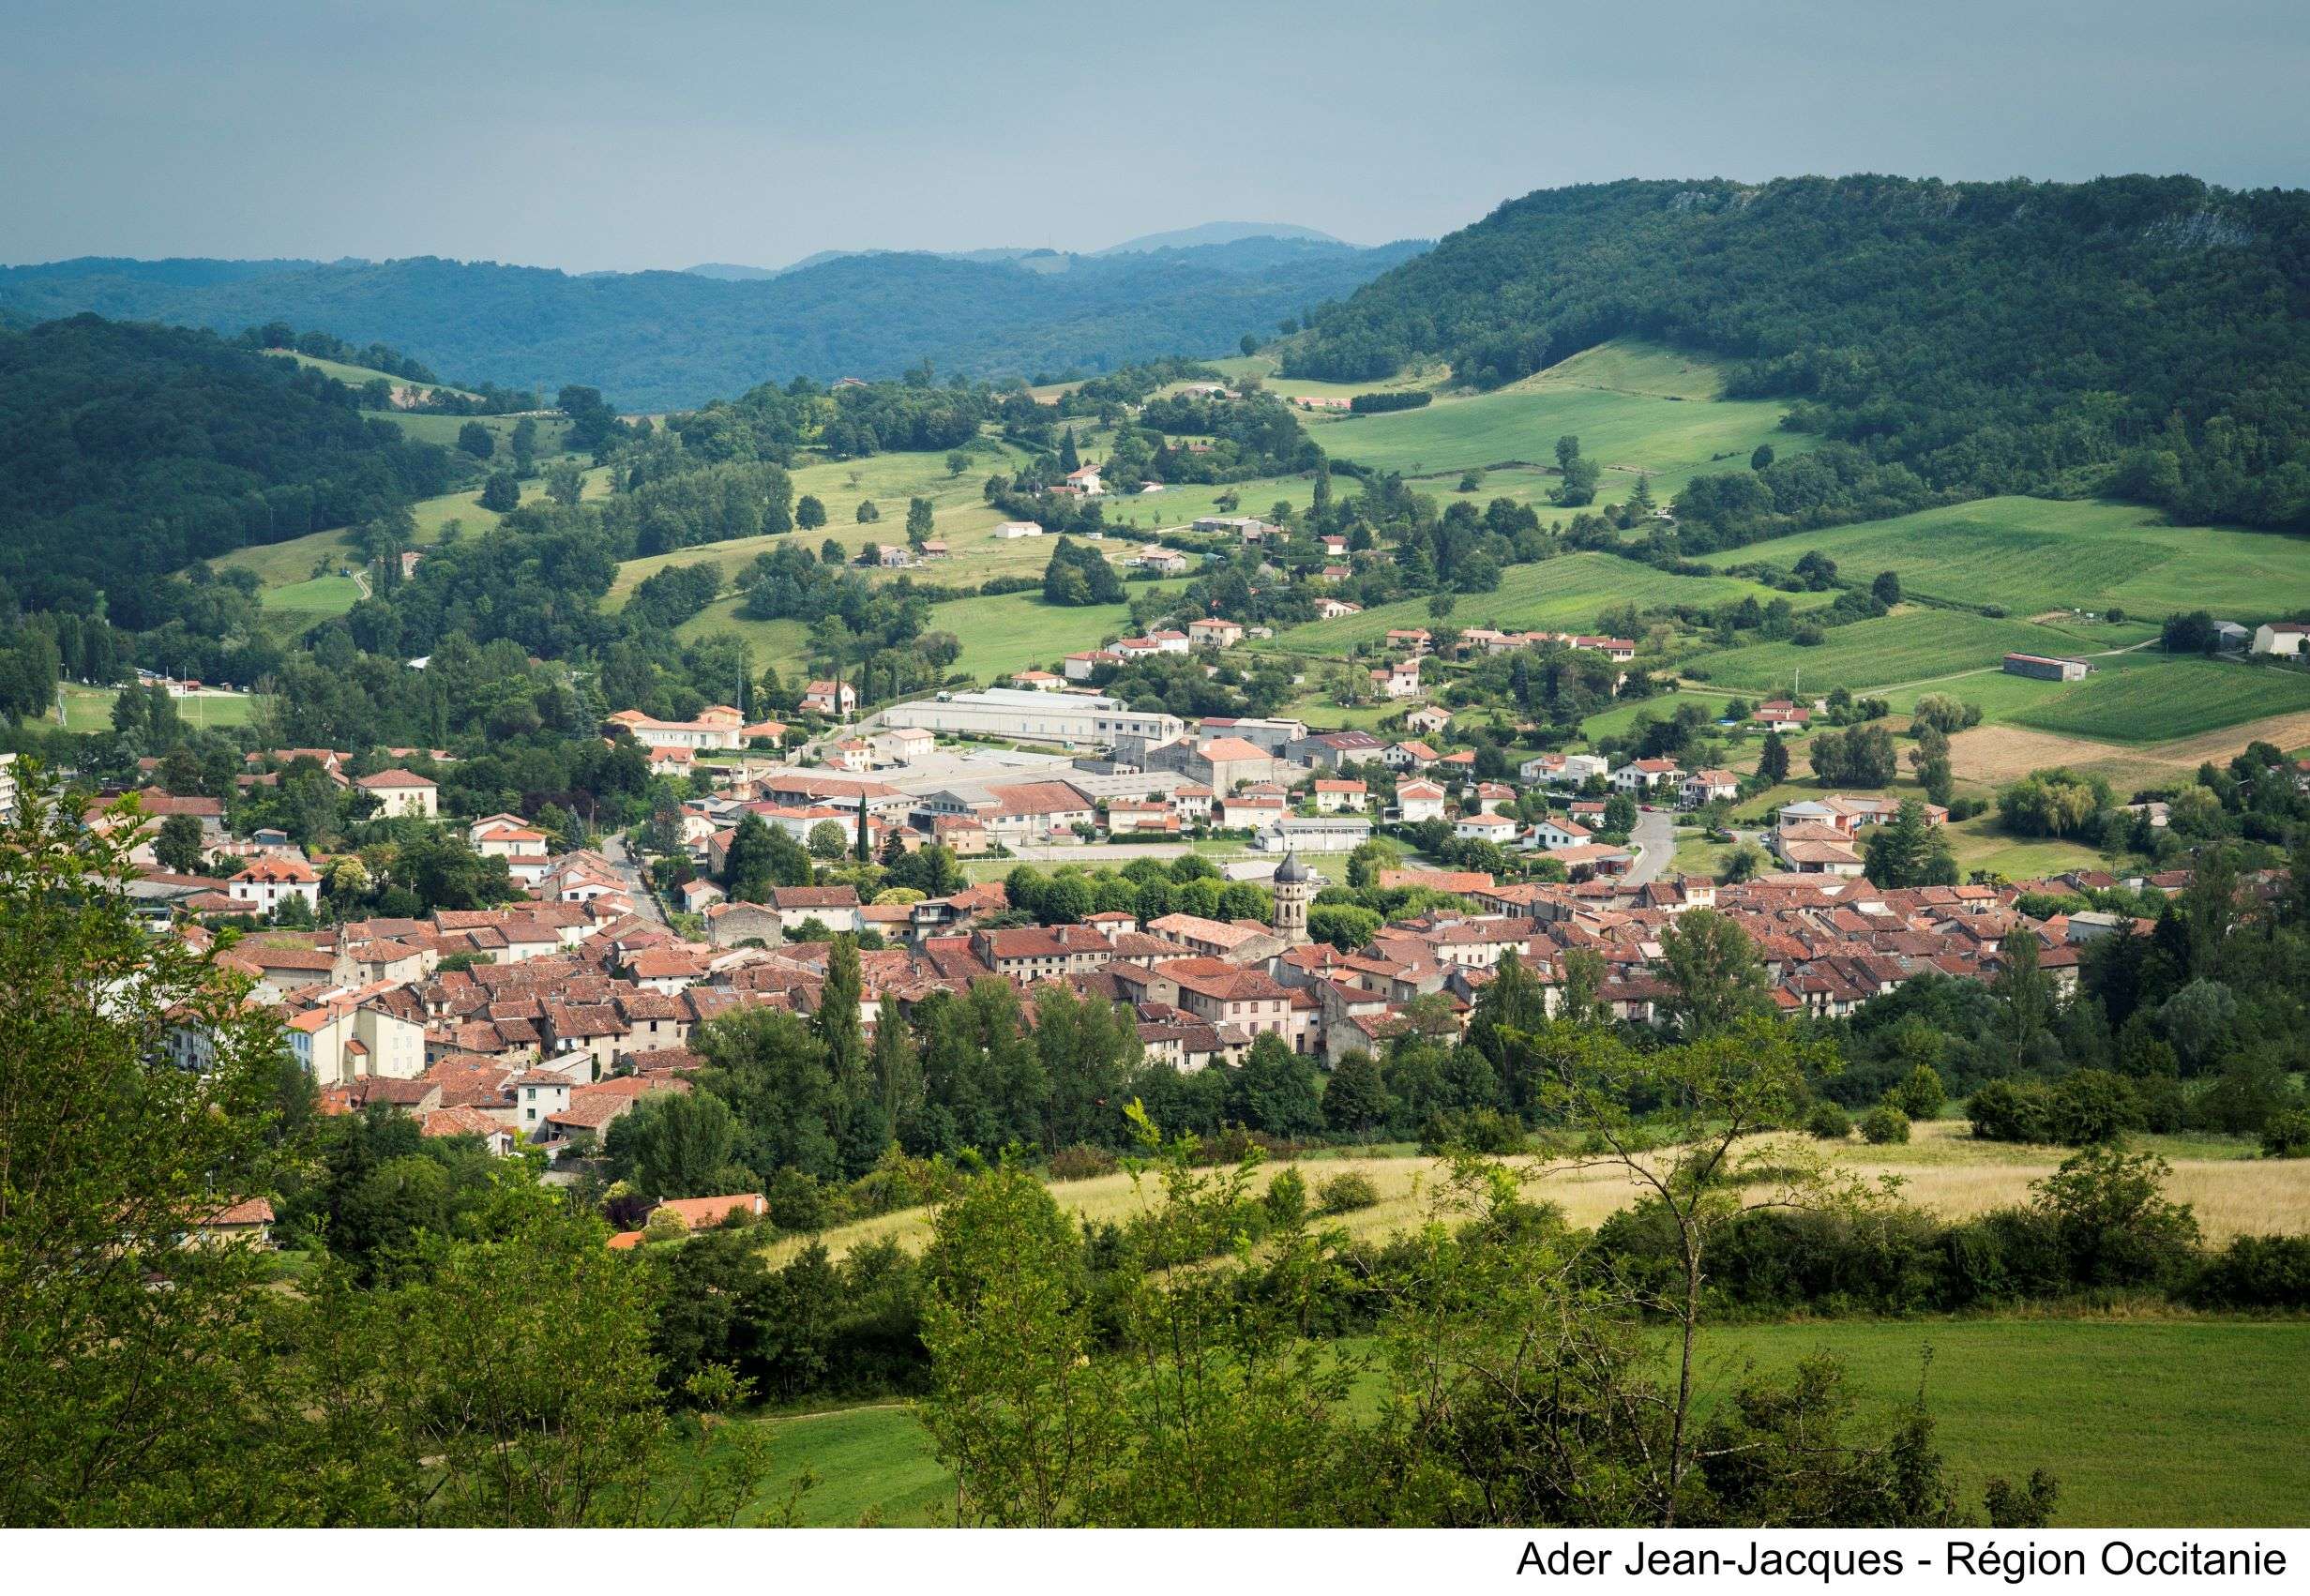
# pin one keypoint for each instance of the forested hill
(127, 451)
(661, 339)
(2138, 335)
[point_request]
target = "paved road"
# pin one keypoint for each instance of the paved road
(645, 901)
(1655, 839)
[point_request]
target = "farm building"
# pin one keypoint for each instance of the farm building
(2281, 637)
(2047, 668)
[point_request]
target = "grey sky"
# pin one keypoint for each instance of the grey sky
(589, 135)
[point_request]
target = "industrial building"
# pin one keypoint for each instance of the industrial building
(1076, 720)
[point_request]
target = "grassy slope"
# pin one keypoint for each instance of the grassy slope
(1562, 595)
(1911, 646)
(356, 376)
(2038, 554)
(2177, 697)
(2190, 1421)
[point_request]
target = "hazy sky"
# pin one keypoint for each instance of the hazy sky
(588, 135)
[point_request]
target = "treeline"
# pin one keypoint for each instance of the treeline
(1375, 404)
(128, 452)
(2131, 333)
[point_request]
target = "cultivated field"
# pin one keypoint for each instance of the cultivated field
(2178, 698)
(1913, 645)
(2037, 554)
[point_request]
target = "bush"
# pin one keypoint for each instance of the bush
(1345, 1194)
(2286, 1135)
(1921, 1094)
(1474, 1130)
(1082, 1162)
(1885, 1123)
(665, 1226)
(2255, 1272)
(1829, 1121)
(800, 1201)
(2006, 1110)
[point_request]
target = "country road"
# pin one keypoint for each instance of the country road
(645, 901)
(1656, 838)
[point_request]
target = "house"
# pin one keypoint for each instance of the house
(1250, 810)
(402, 794)
(1780, 711)
(1708, 787)
(2047, 668)
(1329, 750)
(854, 755)
(1429, 719)
(1341, 797)
(2284, 638)
(1621, 649)
(247, 1223)
(1134, 817)
(905, 744)
(1411, 755)
(1415, 639)
(1213, 632)
(524, 849)
(1229, 762)
(264, 885)
(1644, 776)
(1500, 829)
(835, 699)
(1563, 770)
(1814, 849)
(1163, 562)
(1332, 609)
(934, 548)
(1552, 832)
(834, 908)
(1417, 801)
(716, 726)
(1081, 667)
(1085, 480)
(1038, 681)
(1018, 528)
(1400, 680)
(1490, 795)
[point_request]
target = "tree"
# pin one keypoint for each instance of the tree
(869, 512)
(1772, 761)
(1921, 1094)
(1274, 1090)
(1687, 1157)
(501, 492)
(747, 866)
(957, 463)
(1744, 863)
(681, 1144)
(918, 521)
(181, 844)
(809, 513)
(524, 445)
(1886, 589)
(829, 840)
(1760, 457)
(476, 439)
(565, 483)
(1355, 1098)
(133, 1385)
(1620, 813)
(1906, 852)
(1713, 968)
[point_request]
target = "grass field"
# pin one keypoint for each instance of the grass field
(1633, 408)
(90, 709)
(443, 430)
(2178, 698)
(2037, 554)
(321, 597)
(1911, 646)
(2188, 1421)
(1568, 593)
(356, 376)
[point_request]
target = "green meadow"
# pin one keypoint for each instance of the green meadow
(2193, 1421)
(356, 376)
(2032, 555)
(1568, 593)
(2175, 698)
(1908, 647)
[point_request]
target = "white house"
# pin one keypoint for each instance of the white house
(1417, 801)
(512, 839)
(1400, 680)
(402, 794)
(716, 726)
(1709, 786)
(1643, 775)
(1341, 797)
(1553, 832)
(263, 884)
(2281, 637)
(1487, 828)
(1020, 529)
(905, 744)
(1563, 770)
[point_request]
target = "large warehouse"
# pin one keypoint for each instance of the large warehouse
(1076, 720)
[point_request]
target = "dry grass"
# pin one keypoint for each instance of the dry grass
(1995, 755)
(1942, 1170)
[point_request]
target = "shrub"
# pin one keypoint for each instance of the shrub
(1829, 1121)
(2286, 1135)
(1921, 1094)
(1287, 1196)
(1474, 1130)
(1082, 1162)
(665, 1226)
(1345, 1194)
(2006, 1110)
(1885, 1123)
(2255, 1272)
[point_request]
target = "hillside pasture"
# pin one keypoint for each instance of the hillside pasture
(2032, 555)
(1568, 593)
(426, 428)
(1912, 646)
(360, 376)
(2172, 699)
